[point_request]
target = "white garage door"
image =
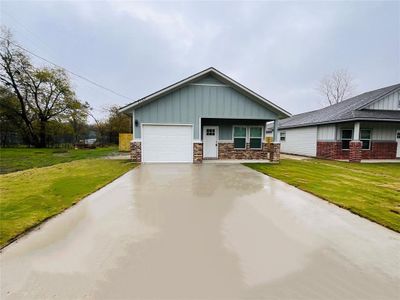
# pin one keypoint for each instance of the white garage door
(167, 143)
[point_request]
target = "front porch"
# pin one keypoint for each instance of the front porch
(235, 140)
(361, 141)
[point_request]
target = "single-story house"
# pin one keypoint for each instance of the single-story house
(205, 116)
(366, 126)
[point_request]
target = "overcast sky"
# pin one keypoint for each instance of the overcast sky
(278, 49)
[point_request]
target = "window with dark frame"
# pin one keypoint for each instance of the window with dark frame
(255, 137)
(239, 137)
(346, 137)
(282, 136)
(365, 138)
(210, 131)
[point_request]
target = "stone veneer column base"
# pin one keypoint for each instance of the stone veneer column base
(136, 151)
(274, 152)
(197, 153)
(355, 154)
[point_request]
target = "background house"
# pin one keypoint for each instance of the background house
(205, 116)
(363, 127)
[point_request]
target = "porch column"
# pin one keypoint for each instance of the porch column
(355, 153)
(275, 134)
(356, 131)
(133, 125)
(275, 147)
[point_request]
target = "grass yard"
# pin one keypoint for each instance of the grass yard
(32, 196)
(17, 159)
(369, 190)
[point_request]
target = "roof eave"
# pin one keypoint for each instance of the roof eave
(339, 121)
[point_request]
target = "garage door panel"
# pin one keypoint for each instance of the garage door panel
(167, 143)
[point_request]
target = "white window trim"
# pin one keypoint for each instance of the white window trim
(370, 138)
(341, 137)
(280, 136)
(247, 137)
(262, 136)
(233, 137)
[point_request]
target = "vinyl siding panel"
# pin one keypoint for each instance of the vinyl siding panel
(188, 104)
(380, 131)
(390, 102)
(326, 132)
(208, 80)
(301, 141)
(225, 132)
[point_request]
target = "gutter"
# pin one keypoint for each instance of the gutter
(338, 121)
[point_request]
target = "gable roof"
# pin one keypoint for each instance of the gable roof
(220, 76)
(347, 110)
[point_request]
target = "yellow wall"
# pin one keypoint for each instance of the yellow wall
(268, 139)
(125, 141)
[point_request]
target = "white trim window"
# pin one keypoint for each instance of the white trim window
(256, 137)
(346, 137)
(239, 137)
(365, 138)
(282, 136)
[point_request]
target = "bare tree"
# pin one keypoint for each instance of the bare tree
(337, 86)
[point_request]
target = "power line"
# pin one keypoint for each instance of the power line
(25, 27)
(71, 72)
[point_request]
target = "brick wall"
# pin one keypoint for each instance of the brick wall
(136, 151)
(197, 152)
(355, 151)
(228, 151)
(379, 150)
(329, 150)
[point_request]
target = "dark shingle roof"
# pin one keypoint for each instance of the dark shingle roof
(349, 109)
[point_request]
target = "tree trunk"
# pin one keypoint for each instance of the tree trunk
(42, 134)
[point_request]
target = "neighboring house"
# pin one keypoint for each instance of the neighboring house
(205, 116)
(363, 127)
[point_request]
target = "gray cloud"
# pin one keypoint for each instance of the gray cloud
(278, 49)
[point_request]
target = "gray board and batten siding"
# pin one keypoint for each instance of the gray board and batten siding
(205, 98)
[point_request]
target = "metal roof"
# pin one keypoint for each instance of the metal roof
(347, 110)
(219, 75)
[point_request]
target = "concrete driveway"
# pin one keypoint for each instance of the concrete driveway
(203, 232)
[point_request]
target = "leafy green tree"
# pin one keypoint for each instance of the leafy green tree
(118, 122)
(77, 120)
(13, 63)
(43, 94)
(10, 123)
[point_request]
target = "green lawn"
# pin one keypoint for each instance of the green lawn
(369, 190)
(32, 196)
(17, 159)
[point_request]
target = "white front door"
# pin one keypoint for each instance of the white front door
(398, 143)
(210, 141)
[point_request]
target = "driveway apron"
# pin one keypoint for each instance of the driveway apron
(183, 231)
